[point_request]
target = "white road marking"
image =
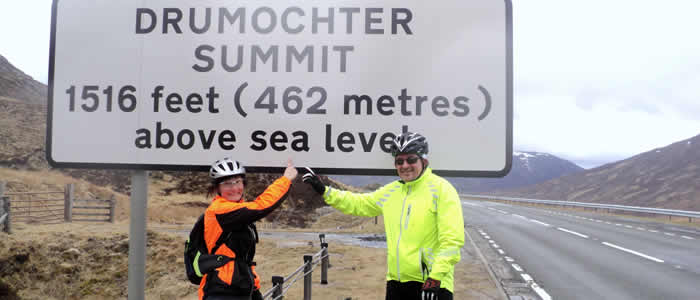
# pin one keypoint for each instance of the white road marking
(519, 216)
(573, 232)
(527, 277)
(509, 259)
(516, 267)
(633, 252)
(628, 226)
(599, 221)
(618, 224)
(687, 237)
(641, 228)
(608, 223)
(492, 242)
(501, 251)
(539, 222)
(495, 245)
(540, 291)
(503, 212)
(669, 234)
(654, 231)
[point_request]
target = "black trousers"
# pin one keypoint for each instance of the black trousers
(410, 291)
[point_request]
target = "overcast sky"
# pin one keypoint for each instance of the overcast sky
(595, 81)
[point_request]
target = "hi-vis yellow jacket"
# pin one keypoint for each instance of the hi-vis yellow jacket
(423, 222)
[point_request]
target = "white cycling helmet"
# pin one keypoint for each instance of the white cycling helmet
(226, 167)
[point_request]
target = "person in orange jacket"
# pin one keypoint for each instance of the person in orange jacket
(229, 230)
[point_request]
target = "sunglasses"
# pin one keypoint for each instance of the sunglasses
(410, 160)
(231, 183)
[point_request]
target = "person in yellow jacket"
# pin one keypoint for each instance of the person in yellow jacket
(229, 230)
(422, 218)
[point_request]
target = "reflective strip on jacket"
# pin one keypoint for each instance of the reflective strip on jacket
(222, 216)
(423, 222)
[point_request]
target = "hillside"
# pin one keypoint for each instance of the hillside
(667, 177)
(528, 168)
(15, 84)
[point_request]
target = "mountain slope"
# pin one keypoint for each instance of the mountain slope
(15, 84)
(528, 168)
(667, 177)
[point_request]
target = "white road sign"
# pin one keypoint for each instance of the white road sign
(177, 84)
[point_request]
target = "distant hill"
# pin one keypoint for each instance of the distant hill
(17, 85)
(528, 168)
(667, 177)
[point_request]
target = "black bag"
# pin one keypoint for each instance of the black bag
(198, 261)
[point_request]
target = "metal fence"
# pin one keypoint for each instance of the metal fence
(610, 207)
(50, 207)
(280, 285)
(37, 207)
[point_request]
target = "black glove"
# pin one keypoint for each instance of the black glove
(430, 289)
(311, 178)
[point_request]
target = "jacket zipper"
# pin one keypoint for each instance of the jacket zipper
(408, 216)
(398, 241)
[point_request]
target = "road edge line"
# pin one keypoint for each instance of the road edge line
(492, 275)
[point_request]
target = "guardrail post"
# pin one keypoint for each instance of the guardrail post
(322, 237)
(307, 276)
(277, 282)
(7, 208)
(324, 263)
(112, 208)
(68, 202)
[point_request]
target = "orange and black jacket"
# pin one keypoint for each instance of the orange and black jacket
(233, 223)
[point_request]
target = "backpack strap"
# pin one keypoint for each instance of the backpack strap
(220, 241)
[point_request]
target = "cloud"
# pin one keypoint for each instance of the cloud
(601, 80)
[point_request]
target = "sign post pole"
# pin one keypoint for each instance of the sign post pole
(137, 235)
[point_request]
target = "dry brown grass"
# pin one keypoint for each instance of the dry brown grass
(100, 270)
(170, 209)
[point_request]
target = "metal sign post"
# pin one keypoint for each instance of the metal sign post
(137, 235)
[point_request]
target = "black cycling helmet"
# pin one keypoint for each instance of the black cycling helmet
(410, 142)
(225, 168)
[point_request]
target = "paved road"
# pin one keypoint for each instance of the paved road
(579, 255)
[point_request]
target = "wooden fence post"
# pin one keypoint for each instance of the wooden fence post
(68, 203)
(112, 208)
(7, 208)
